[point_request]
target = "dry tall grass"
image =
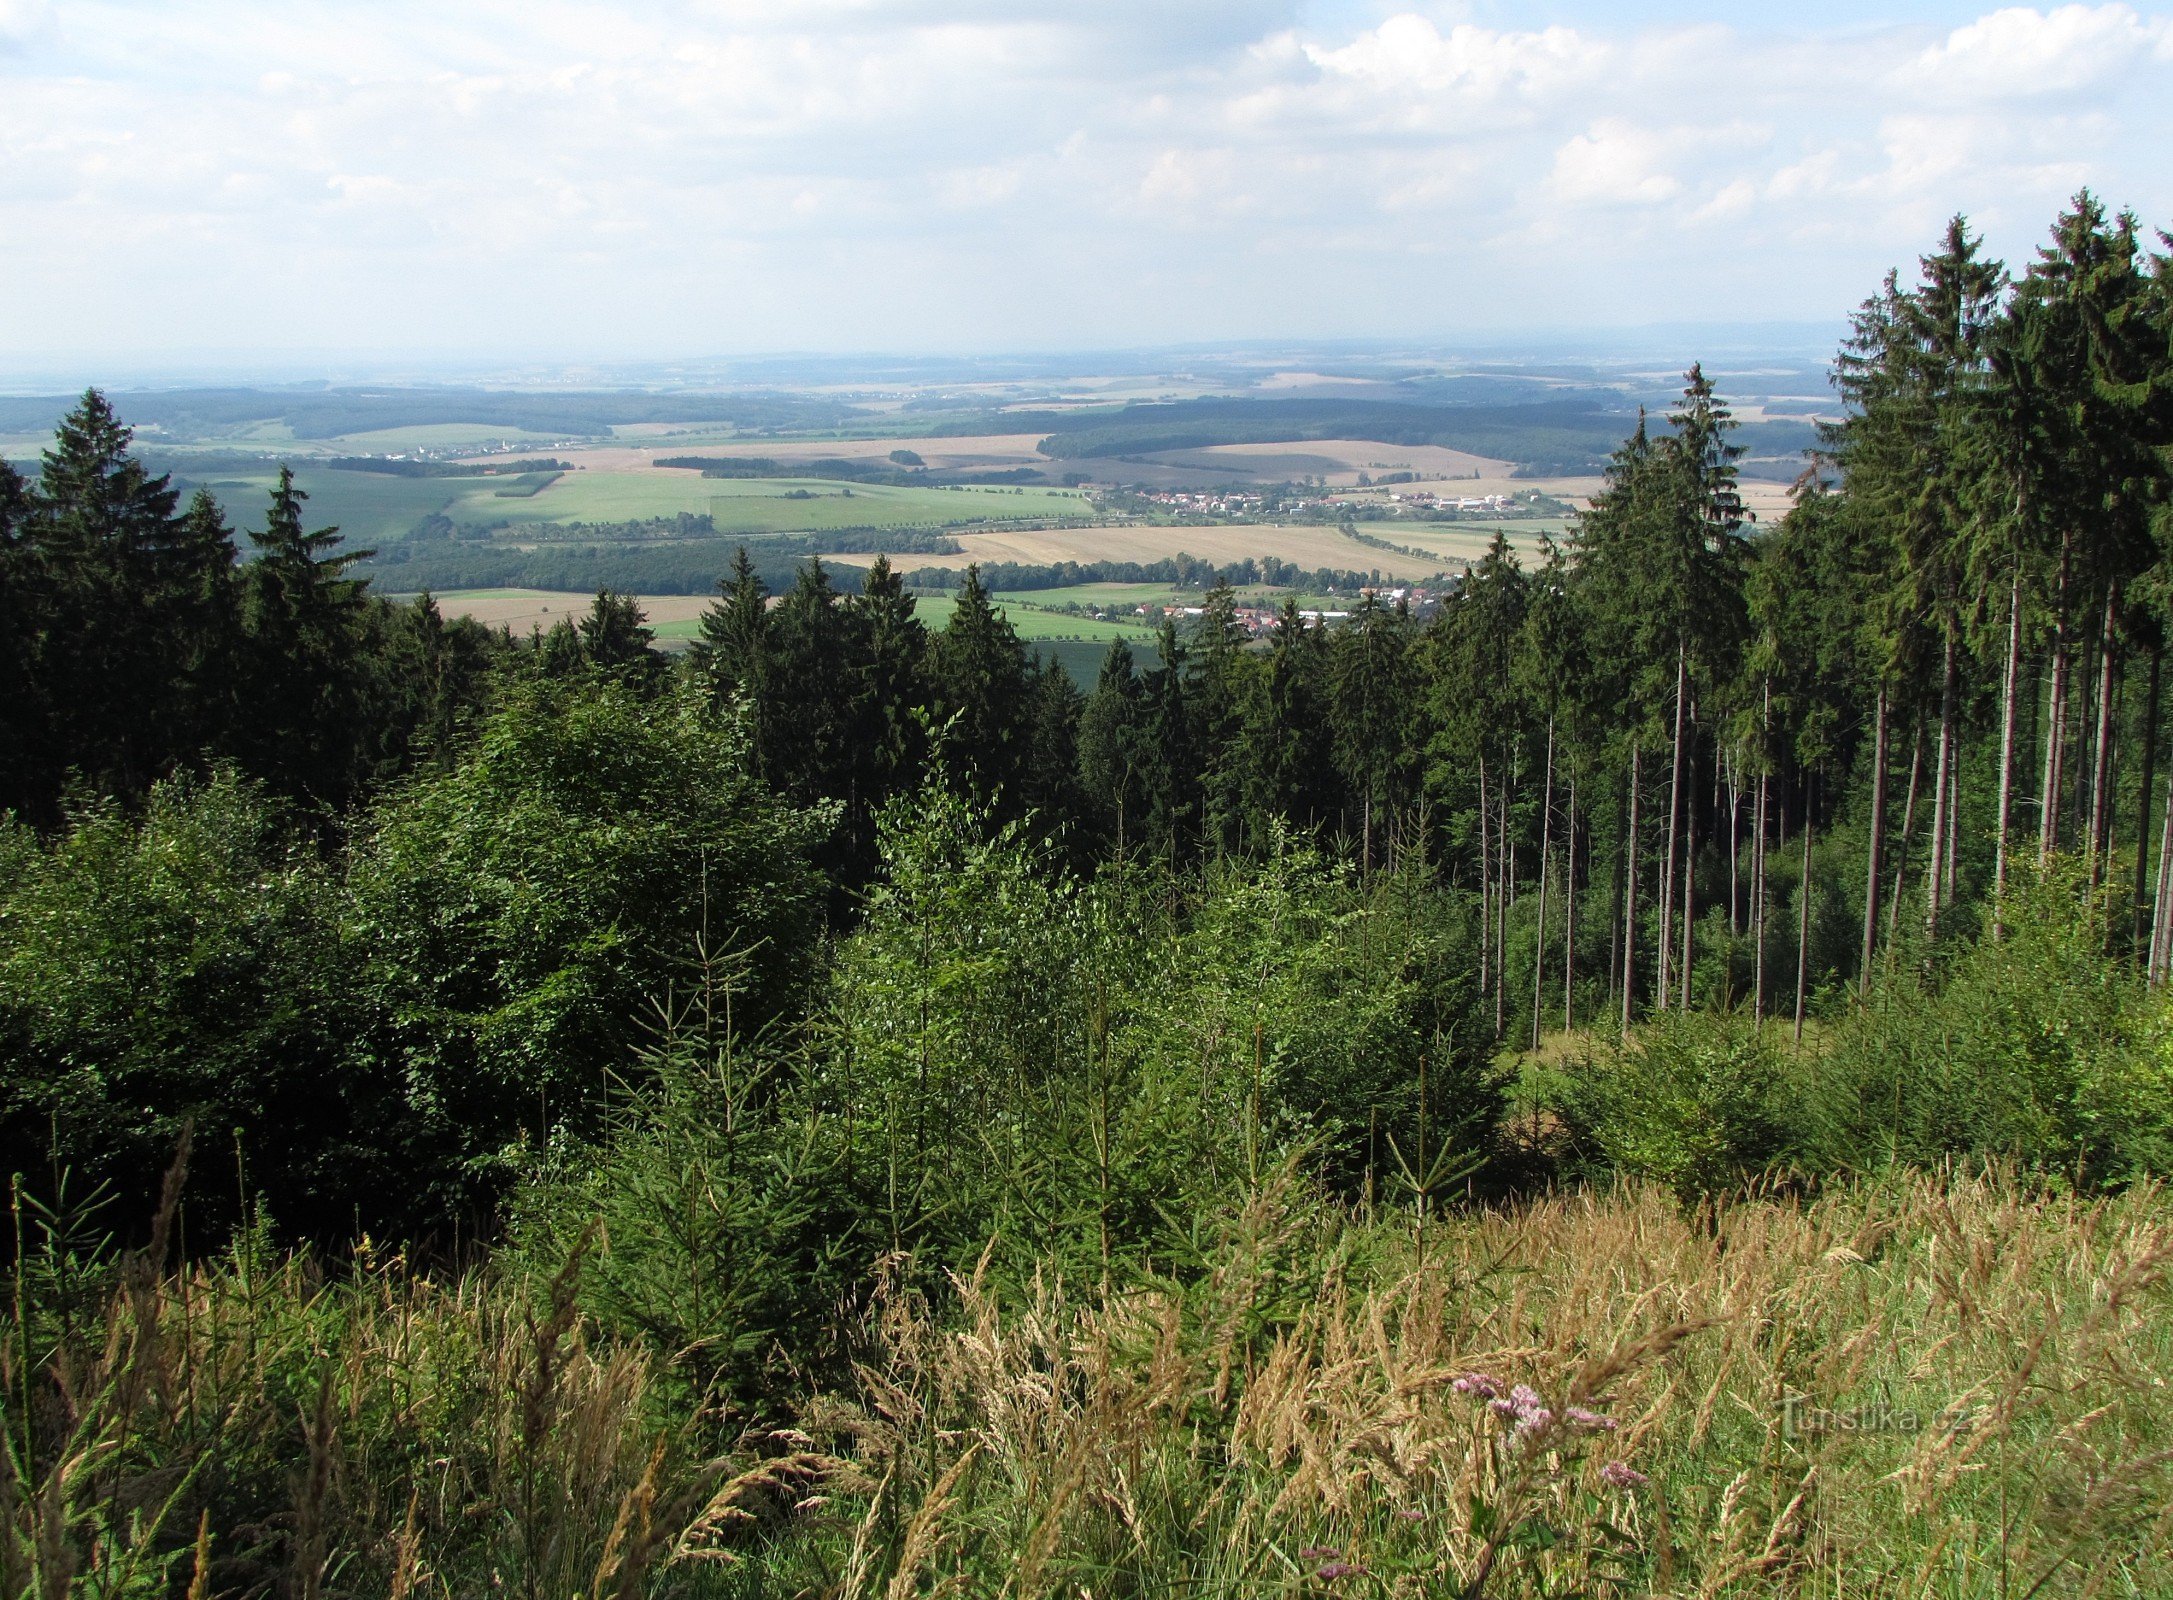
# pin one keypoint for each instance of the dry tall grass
(1287, 1420)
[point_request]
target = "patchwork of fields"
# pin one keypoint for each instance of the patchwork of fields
(375, 508)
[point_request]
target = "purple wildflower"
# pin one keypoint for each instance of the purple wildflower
(1621, 1475)
(1531, 1426)
(1318, 1552)
(1525, 1398)
(1478, 1384)
(1332, 1570)
(1502, 1408)
(1589, 1421)
(1410, 1515)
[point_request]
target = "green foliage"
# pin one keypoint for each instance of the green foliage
(514, 914)
(1699, 1104)
(177, 971)
(2032, 1048)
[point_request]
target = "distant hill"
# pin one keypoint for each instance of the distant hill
(332, 413)
(1542, 437)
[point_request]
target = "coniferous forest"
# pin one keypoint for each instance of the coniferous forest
(1654, 1080)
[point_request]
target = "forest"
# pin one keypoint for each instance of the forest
(1657, 1080)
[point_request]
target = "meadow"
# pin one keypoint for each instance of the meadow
(762, 505)
(1925, 1385)
(374, 509)
(1033, 624)
(1309, 546)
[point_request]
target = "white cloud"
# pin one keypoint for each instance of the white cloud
(2017, 52)
(690, 175)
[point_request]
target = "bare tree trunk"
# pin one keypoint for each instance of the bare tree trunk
(2048, 800)
(2143, 795)
(1878, 839)
(1908, 833)
(1546, 824)
(2008, 684)
(1486, 889)
(1954, 823)
(1674, 829)
(1758, 902)
(1735, 850)
(1935, 869)
(1690, 918)
(2161, 925)
(1629, 895)
(1569, 910)
(1506, 854)
(2101, 777)
(1803, 917)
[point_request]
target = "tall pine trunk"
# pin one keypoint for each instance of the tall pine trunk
(1803, 916)
(2048, 800)
(1758, 901)
(1486, 888)
(1935, 869)
(2101, 777)
(1674, 828)
(1629, 894)
(2008, 684)
(1546, 823)
(1690, 916)
(1872, 851)
(1735, 850)
(2161, 922)
(1505, 853)
(1908, 835)
(2143, 794)
(1569, 909)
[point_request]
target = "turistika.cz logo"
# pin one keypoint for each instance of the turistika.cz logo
(1800, 1417)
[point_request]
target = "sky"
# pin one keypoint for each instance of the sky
(315, 185)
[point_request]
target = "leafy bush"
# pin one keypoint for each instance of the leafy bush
(514, 917)
(1694, 1102)
(2035, 1047)
(172, 970)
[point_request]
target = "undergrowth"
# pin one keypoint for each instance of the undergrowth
(1946, 1385)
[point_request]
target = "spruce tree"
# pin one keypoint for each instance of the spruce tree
(302, 614)
(1112, 757)
(983, 708)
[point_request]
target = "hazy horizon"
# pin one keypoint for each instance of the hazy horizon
(215, 188)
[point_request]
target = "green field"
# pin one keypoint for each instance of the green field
(376, 509)
(1467, 541)
(439, 436)
(1124, 597)
(1033, 625)
(757, 505)
(370, 508)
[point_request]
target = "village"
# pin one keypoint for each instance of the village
(1245, 503)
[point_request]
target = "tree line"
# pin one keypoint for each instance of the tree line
(415, 884)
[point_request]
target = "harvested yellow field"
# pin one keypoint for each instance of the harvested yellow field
(633, 454)
(1339, 461)
(1306, 546)
(522, 609)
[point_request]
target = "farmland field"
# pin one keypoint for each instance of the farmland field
(756, 505)
(1313, 545)
(369, 508)
(676, 618)
(673, 616)
(1033, 625)
(1467, 541)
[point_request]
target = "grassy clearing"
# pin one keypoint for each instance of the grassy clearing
(1033, 625)
(369, 508)
(758, 505)
(1927, 1386)
(439, 436)
(1125, 597)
